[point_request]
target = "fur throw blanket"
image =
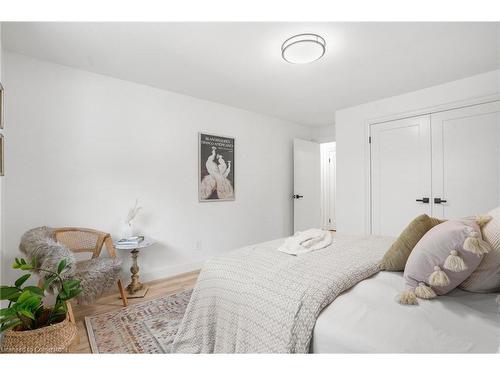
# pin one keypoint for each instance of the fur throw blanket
(96, 275)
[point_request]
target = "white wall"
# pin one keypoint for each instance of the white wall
(351, 136)
(83, 146)
(2, 247)
(323, 134)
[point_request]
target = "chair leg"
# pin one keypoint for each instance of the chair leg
(122, 293)
(71, 316)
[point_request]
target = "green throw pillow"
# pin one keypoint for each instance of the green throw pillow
(395, 258)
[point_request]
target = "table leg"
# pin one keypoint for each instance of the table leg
(135, 288)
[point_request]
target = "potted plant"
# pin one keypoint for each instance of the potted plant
(27, 324)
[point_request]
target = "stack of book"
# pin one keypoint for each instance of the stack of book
(131, 241)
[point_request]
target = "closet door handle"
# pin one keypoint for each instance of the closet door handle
(423, 200)
(439, 200)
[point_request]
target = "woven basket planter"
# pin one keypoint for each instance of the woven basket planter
(55, 338)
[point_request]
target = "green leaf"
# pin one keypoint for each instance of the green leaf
(61, 266)
(32, 302)
(59, 306)
(71, 284)
(24, 296)
(48, 282)
(7, 319)
(25, 267)
(22, 280)
(35, 290)
(63, 295)
(7, 311)
(27, 314)
(74, 293)
(9, 292)
(13, 298)
(11, 324)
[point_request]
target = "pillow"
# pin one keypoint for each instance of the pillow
(395, 258)
(444, 257)
(486, 278)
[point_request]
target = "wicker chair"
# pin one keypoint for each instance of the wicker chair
(96, 275)
(83, 240)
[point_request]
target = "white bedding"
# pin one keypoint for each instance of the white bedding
(366, 319)
(260, 300)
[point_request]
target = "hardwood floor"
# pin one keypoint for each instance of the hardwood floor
(112, 301)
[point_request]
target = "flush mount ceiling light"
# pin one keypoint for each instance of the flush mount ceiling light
(303, 48)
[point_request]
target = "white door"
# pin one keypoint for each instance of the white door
(466, 160)
(328, 164)
(306, 185)
(400, 173)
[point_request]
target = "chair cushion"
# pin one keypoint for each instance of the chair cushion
(96, 276)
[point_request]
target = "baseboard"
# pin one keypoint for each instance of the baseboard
(166, 272)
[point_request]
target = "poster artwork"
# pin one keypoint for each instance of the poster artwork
(216, 168)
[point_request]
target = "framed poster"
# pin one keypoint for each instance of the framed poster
(215, 168)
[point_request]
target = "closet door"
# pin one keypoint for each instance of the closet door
(466, 160)
(400, 173)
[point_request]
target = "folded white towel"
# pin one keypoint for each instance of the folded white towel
(306, 241)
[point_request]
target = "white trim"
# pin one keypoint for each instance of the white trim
(435, 109)
(325, 149)
(397, 116)
(368, 176)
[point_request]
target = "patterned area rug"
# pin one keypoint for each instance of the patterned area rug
(147, 327)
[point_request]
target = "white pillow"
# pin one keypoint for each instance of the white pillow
(486, 277)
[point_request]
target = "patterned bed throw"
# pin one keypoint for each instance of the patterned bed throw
(260, 300)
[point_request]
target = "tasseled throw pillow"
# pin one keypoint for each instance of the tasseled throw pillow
(486, 277)
(444, 257)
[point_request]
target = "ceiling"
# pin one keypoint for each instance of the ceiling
(240, 64)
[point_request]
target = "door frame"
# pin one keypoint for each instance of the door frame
(297, 190)
(326, 178)
(399, 116)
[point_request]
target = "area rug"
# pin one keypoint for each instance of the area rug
(147, 327)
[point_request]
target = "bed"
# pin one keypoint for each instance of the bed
(258, 299)
(366, 319)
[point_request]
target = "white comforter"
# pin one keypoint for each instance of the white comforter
(366, 319)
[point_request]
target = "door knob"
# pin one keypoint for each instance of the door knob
(297, 196)
(439, 200)
(423, 200)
